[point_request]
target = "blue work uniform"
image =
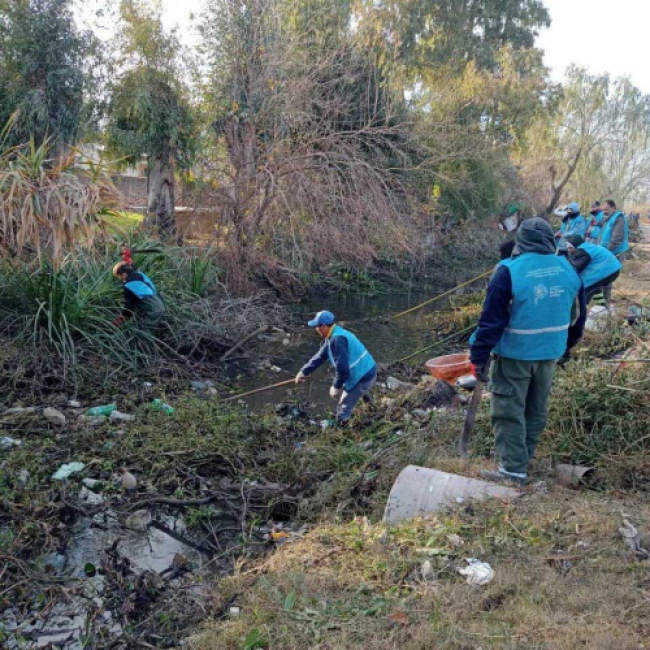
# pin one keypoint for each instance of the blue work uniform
(349, 357)
(594, 227)
(574, 226)
(606, 234)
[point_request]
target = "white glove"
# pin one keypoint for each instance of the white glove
(300, 377)
(334, 392)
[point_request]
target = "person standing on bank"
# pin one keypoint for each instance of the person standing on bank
(594, 223)
(615, 238)
(534, 312)
(355, 369)
(573, 223)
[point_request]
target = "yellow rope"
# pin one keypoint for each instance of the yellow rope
(442, 295)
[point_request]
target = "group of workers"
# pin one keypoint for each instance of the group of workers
(533, 315)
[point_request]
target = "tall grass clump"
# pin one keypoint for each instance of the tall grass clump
(65, 312)
(598, 416)
(47, 204)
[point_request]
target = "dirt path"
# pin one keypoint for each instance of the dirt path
(634, 283)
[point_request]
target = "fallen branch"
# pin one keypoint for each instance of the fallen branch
(243, 342)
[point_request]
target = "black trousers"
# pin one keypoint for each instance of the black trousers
(593, 289)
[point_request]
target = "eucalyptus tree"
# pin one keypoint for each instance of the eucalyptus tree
(46, 65)
(149, 112)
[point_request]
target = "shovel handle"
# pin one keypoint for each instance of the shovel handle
(468, 425)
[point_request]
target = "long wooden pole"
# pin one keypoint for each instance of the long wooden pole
(260, 390)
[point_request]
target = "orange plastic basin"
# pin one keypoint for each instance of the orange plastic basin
(450, 367)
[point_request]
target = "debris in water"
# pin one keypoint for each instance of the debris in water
(477, 572)
(139, 520)
(89, 497)
(105, 409)
(66, 470)
(54, 561)
(54, 416)
(392, 383)
(129, 482)
(93, 420)
(159, 405)
(427, 571)
(121, 417)
(7, 442)
(19, 410)
(633, 540)
(597, 319)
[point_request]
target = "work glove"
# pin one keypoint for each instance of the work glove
(334, 392)
(120, 320)
(300, 377)
(480, 372)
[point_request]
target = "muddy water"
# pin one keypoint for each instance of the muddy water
(363, 315)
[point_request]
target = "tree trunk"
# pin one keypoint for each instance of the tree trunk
(160, 189)
(559, 188)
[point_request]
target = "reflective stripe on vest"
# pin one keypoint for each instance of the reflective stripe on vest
(603, 264)
(606, 235)
(544, 289)
(359, 359)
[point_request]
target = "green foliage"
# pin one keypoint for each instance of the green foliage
(149, 111)
(45, 69)
(425, 35)
(70, 308)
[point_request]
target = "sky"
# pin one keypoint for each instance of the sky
(601, 35)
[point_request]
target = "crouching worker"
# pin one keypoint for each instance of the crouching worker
(356, 370)
(141, 298)
(598, 268)
(534, 311)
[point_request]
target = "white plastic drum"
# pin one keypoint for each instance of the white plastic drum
(419, 491)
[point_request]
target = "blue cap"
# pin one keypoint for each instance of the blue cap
(322, 318)
(573, 207)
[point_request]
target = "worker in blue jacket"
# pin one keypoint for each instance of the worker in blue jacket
(573, 223)
(614, 237)
(355, 369)
(141, 298)
(597, 267)
(534, 312)
(594, 223)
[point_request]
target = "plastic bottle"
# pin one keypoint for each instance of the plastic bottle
(106, 410)
(159, 405)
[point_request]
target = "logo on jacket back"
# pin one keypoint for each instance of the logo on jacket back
(540, 292)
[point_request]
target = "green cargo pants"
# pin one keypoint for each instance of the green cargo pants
(520, 391)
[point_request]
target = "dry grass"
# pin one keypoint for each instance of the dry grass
(45, 204)
(353, 585)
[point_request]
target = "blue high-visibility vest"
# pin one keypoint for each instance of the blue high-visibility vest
(603, 264)
(359, 359)
(597, 227)
(142, 288)
(544, 289)
(575, 226)
(606, 235)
